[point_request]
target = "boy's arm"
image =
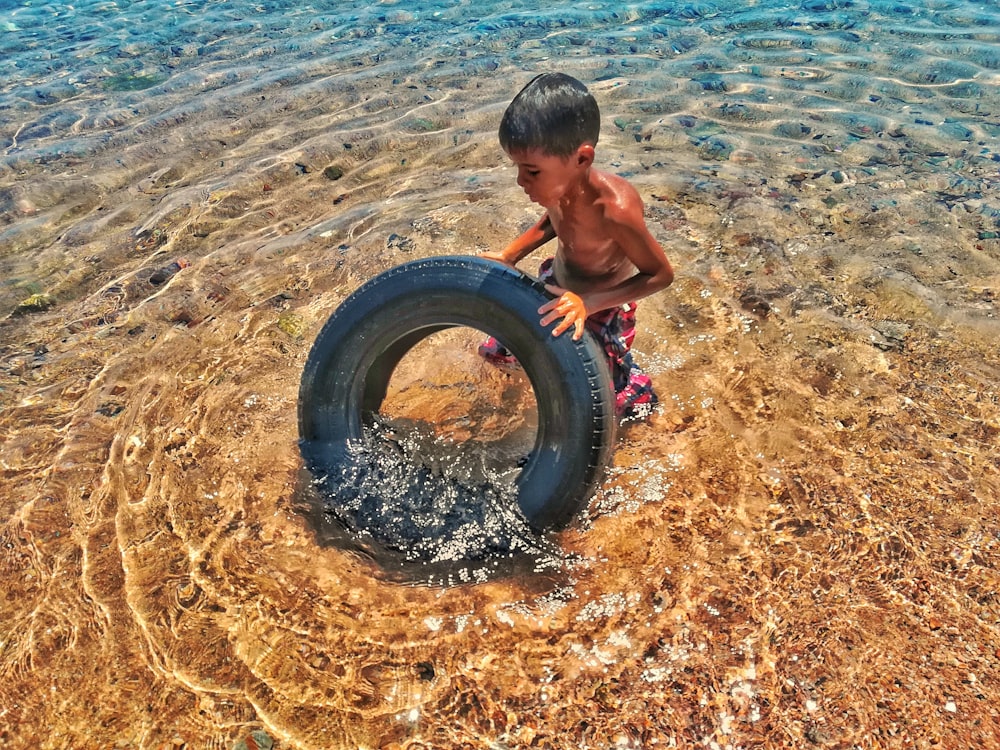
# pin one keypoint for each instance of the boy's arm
(626, 227)
(524, 245)
(654, 269)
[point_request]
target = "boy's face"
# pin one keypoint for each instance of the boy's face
(545, 178)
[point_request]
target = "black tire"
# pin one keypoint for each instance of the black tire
(349, 367)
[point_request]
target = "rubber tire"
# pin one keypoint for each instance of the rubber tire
(351, 362)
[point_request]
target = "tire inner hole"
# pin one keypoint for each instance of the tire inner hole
(459, 414)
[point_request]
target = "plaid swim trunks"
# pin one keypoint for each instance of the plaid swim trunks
(615, 329)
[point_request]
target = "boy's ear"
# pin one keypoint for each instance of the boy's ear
(585, 155)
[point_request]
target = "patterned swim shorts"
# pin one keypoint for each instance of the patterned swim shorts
(615, 329)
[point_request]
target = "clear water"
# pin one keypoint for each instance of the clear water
(798, 549)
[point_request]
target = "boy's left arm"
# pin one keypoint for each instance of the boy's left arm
(626, 227)
(647, 255)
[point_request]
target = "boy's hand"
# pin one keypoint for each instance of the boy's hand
(568, 306)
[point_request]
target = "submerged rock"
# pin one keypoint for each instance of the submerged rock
(165, 273)
(256, 740)
(716, 148)
(399, 242)
(35, 303)
(292, 324)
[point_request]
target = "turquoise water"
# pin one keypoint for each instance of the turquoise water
(797, 549)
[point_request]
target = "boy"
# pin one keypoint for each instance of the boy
(605, 256)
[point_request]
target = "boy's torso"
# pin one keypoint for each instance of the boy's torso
(588, 258)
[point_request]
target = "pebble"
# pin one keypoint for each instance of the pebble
(892, 329)
(399, 242)
(34, 303)
(422, 125)
(256, 740)
(956, 130)
(793, 130)
(755, 304)
(110, 409)
(292, 324)
(715, 148)
(711, 82)
(166, 272)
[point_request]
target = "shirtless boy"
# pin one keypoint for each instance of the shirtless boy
(605, 256)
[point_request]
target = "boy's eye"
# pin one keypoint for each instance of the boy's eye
(534, 172)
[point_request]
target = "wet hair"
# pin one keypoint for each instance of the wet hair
(554, 113)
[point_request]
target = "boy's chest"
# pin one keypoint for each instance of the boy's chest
(581, 237)
(585, 253)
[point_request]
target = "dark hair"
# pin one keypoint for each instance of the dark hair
(554, 113)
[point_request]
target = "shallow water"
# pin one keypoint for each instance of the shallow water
(799, 549)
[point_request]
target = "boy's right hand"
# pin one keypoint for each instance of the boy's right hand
(567, 305)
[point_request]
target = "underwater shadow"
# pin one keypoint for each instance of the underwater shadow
(430, 531)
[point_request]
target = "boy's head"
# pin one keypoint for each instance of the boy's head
(554, 114)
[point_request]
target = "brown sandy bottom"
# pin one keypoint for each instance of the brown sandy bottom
(798, 550)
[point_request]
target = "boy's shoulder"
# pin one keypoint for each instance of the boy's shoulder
(619, 198)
